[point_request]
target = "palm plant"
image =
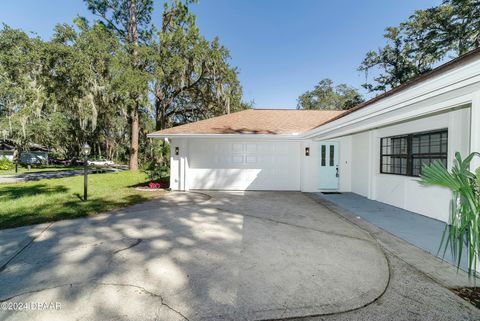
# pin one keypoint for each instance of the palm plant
(463, 229)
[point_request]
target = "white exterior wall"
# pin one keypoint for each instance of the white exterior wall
(345, 164)
(311, 178)
(404, 191)
(178, 164)
(309, 166)
(475, 128)
(360, 163)
(186, 167)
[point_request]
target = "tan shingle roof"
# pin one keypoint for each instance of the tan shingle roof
(257, 121)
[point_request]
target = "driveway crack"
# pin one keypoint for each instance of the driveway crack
(141, 288)
(303, 227)
(137, 241)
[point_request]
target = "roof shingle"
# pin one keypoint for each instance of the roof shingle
(257, 121)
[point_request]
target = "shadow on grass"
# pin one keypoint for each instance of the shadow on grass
(16, 192)
(75, 208)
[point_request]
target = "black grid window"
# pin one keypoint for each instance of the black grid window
(324, 154)
(407, 154)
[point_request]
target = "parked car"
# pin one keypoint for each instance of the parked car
(55, 161)
(100, 162)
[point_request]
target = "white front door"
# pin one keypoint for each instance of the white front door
(329, 175)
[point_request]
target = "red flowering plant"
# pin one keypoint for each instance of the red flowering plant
(154, 172)
(157, 185)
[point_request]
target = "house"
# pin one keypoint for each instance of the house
(37, 154)
(376, 149)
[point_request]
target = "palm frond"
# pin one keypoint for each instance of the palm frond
(464, 223)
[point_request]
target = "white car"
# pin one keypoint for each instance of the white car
(100, 162)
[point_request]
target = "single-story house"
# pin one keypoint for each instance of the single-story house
(37, 154)
(376, 149)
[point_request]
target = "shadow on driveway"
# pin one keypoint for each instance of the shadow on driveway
(186, 257)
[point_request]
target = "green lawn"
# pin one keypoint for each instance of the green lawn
(22, 170)
(56, 199)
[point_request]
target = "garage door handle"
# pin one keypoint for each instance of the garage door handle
(337, 172)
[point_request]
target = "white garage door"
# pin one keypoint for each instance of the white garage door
(228, 165)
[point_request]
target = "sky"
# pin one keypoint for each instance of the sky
(281, 48)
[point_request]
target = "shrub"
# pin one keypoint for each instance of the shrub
(464, 226)
(5, 164)
(155, 171)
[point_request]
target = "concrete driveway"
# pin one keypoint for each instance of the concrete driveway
(192, 256)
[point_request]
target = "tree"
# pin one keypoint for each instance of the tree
(97, 81)
(450, 28)
(82, 61)
(24, 104)
(397, 63)
(131, 20)
(418, 44)
(326, 96)
(192, 77)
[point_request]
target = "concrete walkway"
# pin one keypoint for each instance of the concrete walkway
(223, 256)
(54, 174)
(421, 231)
(419, 283)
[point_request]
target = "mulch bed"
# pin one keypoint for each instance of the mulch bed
(471, 295)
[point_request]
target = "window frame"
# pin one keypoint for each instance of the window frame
(409, 155)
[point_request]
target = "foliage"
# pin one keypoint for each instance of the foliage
(5, 163)
(111, 81)
(156, 171)
(193, 79)
(23, 84)
(418, 44)
(395, 60)
(116, 15)
(326, 96)
(464, 228)
(131, 21)
(57, 199)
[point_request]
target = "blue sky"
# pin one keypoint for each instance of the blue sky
(282, 48)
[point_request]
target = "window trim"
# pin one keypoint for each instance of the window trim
(410, 156)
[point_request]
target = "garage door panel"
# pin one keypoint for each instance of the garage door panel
(237, 147)
(244, 165)
(251, 148)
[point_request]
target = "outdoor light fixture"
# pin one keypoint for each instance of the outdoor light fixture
(85, 152)
(307, 151)
(177, 151)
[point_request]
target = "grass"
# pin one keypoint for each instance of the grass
(57, 199)
(22, 170)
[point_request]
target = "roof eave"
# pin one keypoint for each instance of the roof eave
(236, 136)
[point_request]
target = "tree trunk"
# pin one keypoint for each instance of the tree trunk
(133, 40)
(160, 108)
(134, 139)
(160, 117)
